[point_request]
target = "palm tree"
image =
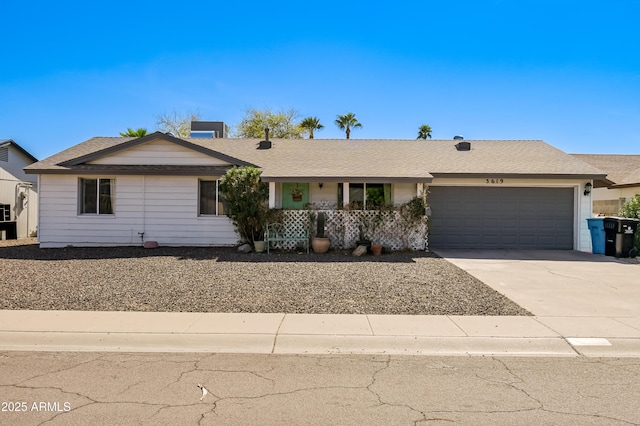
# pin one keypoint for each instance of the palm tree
(310, 124)
(138, 133)
(347, 122)
(424, 132)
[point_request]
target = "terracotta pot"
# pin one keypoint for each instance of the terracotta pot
(320, 245)
(259, 246)
(376, 249)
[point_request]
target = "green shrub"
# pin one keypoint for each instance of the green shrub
(246, 200)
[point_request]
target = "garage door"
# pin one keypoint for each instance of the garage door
(501, 218)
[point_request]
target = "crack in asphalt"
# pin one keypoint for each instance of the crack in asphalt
(542, 407)
(379, 369)
(374, 380)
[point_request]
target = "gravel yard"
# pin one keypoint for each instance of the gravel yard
(221, 280)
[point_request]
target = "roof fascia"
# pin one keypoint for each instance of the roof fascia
(520, 175)
(208, 171)
(153, 136)
(350, 179)
(19, 148)
(625, 185)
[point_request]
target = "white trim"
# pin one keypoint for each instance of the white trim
(272, 195)
(80, 192)
(217, 206)
(345, 193)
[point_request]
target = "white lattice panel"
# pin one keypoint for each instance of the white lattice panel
(342, 227)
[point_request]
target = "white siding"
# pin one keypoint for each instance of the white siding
(11, 179)
(164, 208)
(160, 152)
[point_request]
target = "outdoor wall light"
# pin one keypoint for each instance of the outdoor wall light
(321, 185)
(587, 188)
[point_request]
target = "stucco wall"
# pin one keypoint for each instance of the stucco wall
(608, 202)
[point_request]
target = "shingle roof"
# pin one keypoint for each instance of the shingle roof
(360, 159)
(622, 170)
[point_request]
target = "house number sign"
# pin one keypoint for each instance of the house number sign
(494, 180)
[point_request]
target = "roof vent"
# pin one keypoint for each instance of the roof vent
(463, 146)
(265, 144)
(458, 137)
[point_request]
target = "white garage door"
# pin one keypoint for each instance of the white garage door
(501, 218)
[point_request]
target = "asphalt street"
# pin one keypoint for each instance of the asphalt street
(69, 388)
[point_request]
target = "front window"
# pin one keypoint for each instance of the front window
(96, 196)
(367, 195)
(210, 199)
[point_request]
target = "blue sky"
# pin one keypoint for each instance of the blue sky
(567, 72)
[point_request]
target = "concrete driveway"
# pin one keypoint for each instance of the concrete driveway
(573, 293)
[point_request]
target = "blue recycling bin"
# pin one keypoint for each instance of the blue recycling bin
(596, 226)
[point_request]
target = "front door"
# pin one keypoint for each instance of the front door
(295, 195)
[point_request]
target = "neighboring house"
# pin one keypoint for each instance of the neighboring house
(482, 194)
(18, 192)
(621, 185)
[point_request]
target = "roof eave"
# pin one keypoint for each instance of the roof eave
(153, 136)
(124, 171)
(350, 179)
(19, 148)
(521, 175)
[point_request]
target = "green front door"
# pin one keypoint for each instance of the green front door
(295, 195)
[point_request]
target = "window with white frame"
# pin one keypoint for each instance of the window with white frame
(367, 195)
(96, 196)
(210, 198)
(5, 212)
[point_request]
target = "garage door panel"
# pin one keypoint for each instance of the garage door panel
(509, 241)
(546, 224)
(490, 223)
(516, 218)
(529, 225)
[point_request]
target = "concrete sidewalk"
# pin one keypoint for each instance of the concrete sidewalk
(302, 334)
(584, 305)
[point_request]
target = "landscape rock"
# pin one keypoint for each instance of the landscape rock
(245, 248)
(220, 279)
(360, 251)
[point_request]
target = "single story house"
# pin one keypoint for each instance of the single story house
(482, 193)
(18, 192)
(621, 185)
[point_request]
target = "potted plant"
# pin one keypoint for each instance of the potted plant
(320, 243)
(376, 249)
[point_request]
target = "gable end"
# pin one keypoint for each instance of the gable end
(153, 136)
